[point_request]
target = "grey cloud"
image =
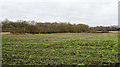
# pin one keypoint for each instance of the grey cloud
(90, 12)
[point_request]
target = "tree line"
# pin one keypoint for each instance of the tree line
(48, 27)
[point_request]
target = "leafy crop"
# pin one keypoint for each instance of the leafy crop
(52, 49)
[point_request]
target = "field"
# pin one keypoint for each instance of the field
(113, 31)
(60, 49)
(5, 33)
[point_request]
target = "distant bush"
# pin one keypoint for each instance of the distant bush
(33, 27)
(104, 31)
(45, 28)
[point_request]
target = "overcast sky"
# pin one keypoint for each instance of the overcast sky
(90, 12)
